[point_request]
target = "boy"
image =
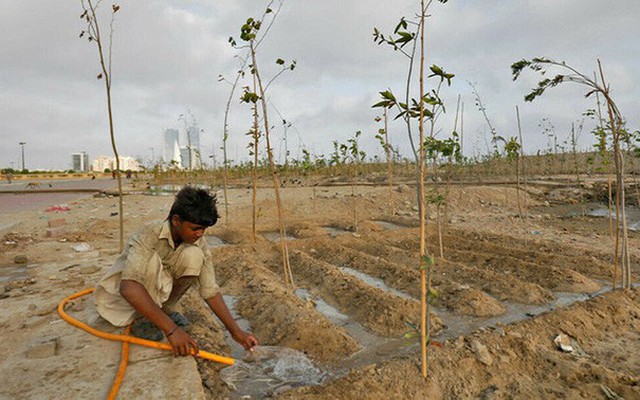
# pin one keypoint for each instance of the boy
(158, 265)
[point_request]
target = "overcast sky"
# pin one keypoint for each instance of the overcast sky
(167, 56)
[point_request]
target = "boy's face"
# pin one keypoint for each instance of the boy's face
(185, 231)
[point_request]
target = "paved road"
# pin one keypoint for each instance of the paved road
(26, 199)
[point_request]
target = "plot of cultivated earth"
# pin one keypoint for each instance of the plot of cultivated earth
(522, 305)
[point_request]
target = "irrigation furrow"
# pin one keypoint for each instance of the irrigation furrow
(453, 295)
(457, 275)
(381, 312)
(542, 253)
(278, 316)
(548, 276)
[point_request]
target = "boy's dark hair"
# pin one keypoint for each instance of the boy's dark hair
(196, 206)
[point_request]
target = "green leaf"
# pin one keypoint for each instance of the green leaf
(411, 335)
(383, 103)
(426, 262)
(388, 95)
(436, 70)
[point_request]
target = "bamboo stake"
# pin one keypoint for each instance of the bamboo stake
(424, 328)
(288, 276)
(254, 196)
(387, 149)
(621, 220)
(519, 165)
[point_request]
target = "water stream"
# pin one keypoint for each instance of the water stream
(214, 241)
(267, 370)
(10, 273)
(591, 209)
(390, 226)
(333, 231)
(374, 282)
(272, 369)
(275, 236)
(632, 213)
(170, 189)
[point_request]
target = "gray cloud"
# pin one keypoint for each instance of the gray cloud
(167, 56)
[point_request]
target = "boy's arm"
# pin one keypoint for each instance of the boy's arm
(142, 302)
(219, 308)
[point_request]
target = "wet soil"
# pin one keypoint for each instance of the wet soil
(504, 287)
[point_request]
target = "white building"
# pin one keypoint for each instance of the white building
(80, 161)
(128, 163)
(101, 163)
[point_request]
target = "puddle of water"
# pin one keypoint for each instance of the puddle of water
(390, 226)
(375, 282)
(237, 351)
(275, 236)
(595, 210)
(269, 370)
(335, 316)
(333, 231)
(170, 190)
(214, 241)
(633, 216)
(11, 273)
(373, 346)
(459, 325)
(163, 190)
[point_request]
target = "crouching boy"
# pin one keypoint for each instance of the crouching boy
(158, 265)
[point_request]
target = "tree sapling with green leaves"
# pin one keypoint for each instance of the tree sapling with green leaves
(249, 34)
(599, 87)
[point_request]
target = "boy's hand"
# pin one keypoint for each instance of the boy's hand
(182, 344)
(246, 339)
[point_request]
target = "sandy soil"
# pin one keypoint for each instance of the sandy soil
(503, 286)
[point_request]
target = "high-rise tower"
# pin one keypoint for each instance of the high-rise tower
(171, 150)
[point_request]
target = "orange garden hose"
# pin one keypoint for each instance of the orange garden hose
(121, 369)
(126, 340)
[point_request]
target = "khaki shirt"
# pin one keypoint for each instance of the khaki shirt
(151, 258)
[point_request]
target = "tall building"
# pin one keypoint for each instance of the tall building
(80, 161)
(194, 137)
(184, 154)
(171, 150)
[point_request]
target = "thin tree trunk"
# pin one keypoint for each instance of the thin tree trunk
(518, 165)
(254, 196)
(225, 136)
(353, 197)
(438, 208)
(288, 276)
(424, 267)
(107, 80)
(387, 149)
(621, 217)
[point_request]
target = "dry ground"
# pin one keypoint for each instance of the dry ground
(502, 283)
